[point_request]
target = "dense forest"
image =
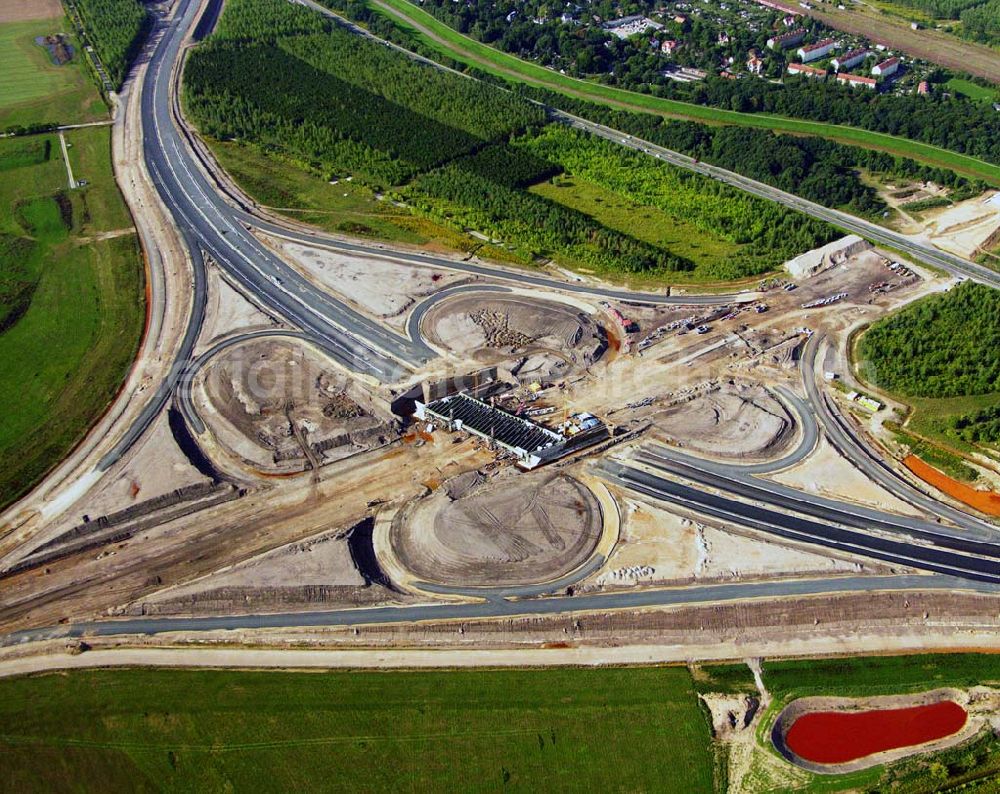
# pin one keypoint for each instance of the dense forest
(339, 102)
(961, 125)
(457, 150)
(116, 29)
(814, 168)
(819, 170)
(982, 22)
(768, 232)
(979, 427)
(942, 346)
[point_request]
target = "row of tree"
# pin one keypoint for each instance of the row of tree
(261, 93)
(949, 122)
(814, 168)
(768, 233)
(942, 346)
(116, 29)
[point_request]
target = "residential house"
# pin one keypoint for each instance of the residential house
(813, 52)
(887, 67)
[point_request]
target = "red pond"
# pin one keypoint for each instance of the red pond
(836, 737)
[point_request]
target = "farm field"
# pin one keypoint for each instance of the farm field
(520, 730)
(440, 37)
(33, 89)
(74, 311)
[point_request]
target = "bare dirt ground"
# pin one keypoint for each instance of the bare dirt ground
(516, 530)
(282, 406)
(540, 340)
(964, 228)
(886, 622)
(227, 311)
(319, 568)
(175, 552)
(27, 10)
(661, 547)
(352, 277)
(826, 472)
(736, 420)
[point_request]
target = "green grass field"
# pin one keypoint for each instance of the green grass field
(971, 90)
(930, 418)
(438, 36)
(637, 729)
(864, 676)
(643, 222)
(64, 358)
(33, 89)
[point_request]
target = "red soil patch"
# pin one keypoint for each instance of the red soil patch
(836, 737)
(985, 501)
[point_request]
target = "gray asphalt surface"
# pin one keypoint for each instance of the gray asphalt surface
(852, 515)
(919, 251)
(839, 433)
(794, 527)
(555, 605)
(361, 344)
(208, 221)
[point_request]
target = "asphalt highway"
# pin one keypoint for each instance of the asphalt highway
(843, 438)
(362, 344)
(494, 607)
(786, 498)
(796, 528)
(919, 250)
(218, 228)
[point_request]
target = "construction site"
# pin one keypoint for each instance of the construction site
(373, 424)
(490, 468)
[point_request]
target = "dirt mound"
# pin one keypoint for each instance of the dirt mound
(281, 405)
(520, 531)
(736, 420)
(542, 339)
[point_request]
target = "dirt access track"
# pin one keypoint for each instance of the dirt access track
(27, 10)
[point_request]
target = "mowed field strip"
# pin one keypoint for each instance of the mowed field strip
(449, 42)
